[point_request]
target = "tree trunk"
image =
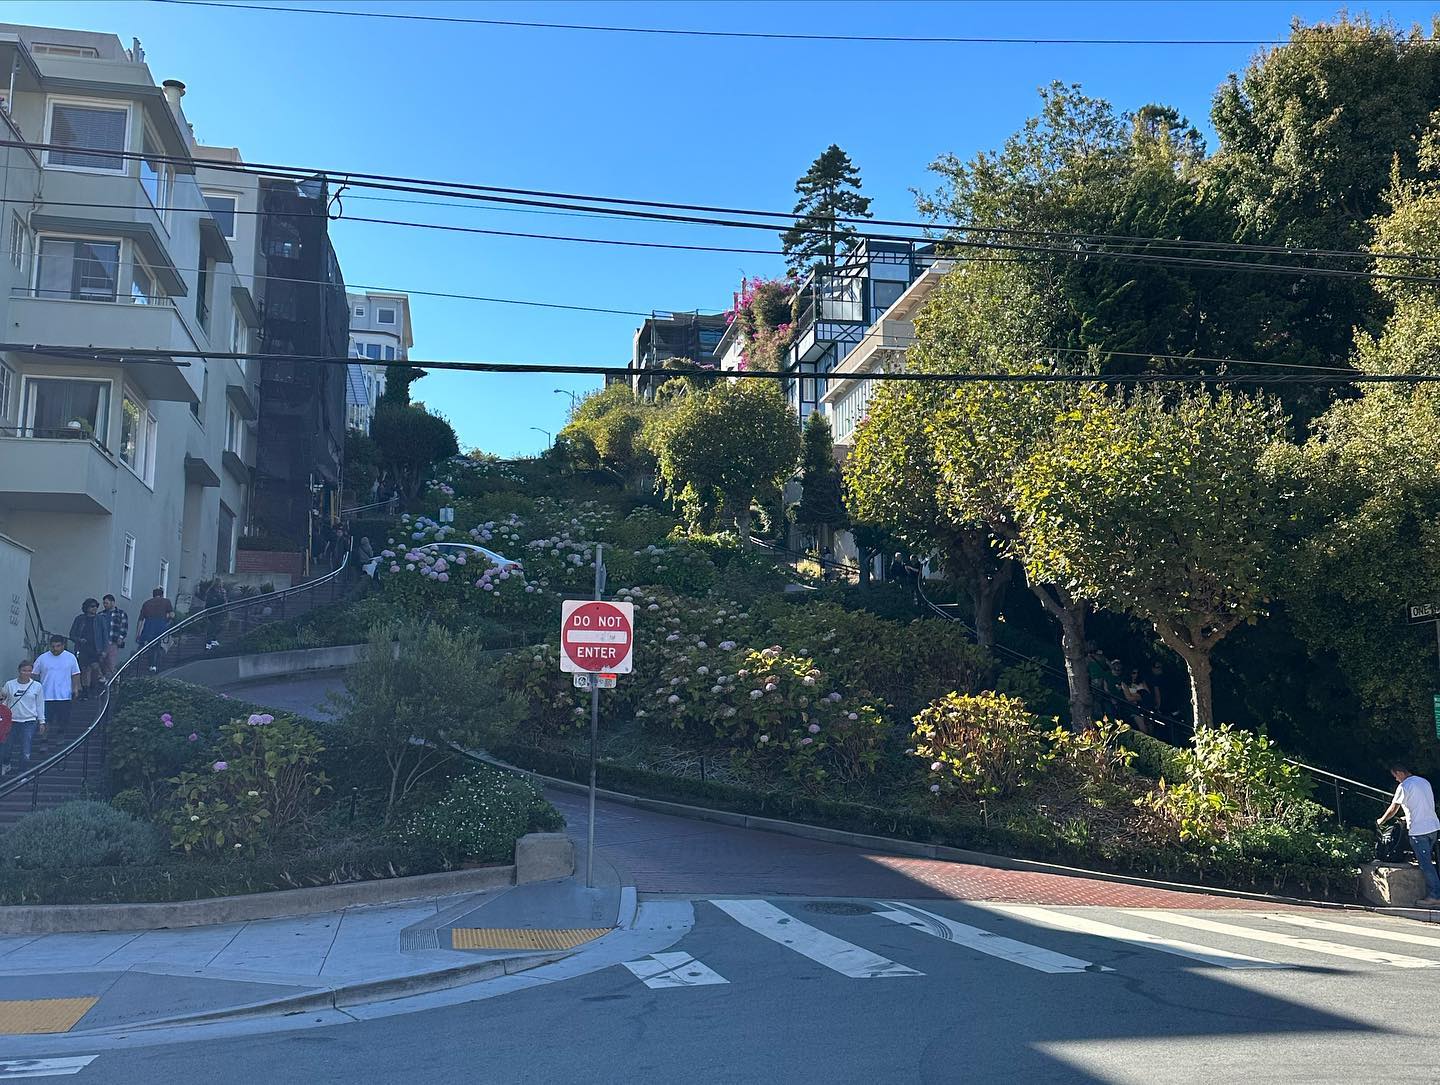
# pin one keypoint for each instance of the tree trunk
(1071, 616)
(864, 557)
(1197, 664)
(986, 595)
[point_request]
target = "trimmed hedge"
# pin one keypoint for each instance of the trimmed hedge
(1248, 873)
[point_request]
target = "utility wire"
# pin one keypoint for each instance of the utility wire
(124, 354)
(556, 201)
(754, 35)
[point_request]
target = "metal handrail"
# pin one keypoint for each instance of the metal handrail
(33, 774)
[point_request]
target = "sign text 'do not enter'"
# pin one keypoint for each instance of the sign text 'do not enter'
(596, 636)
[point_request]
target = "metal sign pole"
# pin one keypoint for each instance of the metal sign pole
(594, 741)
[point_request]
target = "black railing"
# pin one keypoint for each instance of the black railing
(187, 639)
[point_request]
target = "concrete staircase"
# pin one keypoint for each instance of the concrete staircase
(61, 784)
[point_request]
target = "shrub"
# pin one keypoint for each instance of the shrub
(150, 735)
(1229, 780)
(79, 834)
(132, 801)
(979, 745)
(479, 817)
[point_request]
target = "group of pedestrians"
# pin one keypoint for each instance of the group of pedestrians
(1137, 695)
(37, 698)
(98, 636)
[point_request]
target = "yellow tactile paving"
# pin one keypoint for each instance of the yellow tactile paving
(520, 938)
(37, 1015)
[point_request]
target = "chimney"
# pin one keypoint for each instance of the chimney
(174, 90)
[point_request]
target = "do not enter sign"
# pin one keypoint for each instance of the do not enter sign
(596, 636)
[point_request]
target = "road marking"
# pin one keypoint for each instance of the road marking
(661, 970)
(1065, 921)
(521, 937)
(1314, 945)
(987, 942)
(834, 953)
(15, 1068)
(1349, 928)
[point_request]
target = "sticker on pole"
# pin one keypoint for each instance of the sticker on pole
(596, 636)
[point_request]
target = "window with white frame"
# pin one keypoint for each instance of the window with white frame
(64, 407)
(384, 315)
(234, 432)
(198, 408)
(389, 354)
(127, 568)
(239, 335)
(19, 243)
(164, 582)
(7, 382)
(223, 205)
(81, 133)
(372, 351)
(77, 268)
(157, 177)
(359, 310)
(137, 437)
(144, 287)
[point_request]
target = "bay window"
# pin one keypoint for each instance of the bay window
(62, 407)
(156, 175)
(76, 268)
(137, 437)
(81, 133)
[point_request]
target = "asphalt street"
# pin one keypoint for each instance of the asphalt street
(860, 991)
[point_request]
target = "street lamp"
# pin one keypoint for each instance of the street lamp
(548, 439)
(574, 398)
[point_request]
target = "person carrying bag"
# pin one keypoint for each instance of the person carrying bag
(23, 699)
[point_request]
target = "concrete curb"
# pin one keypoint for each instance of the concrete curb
(86, 918)
(348, 994)
(895, 846)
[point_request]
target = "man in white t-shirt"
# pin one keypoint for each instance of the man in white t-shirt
(58, 672)
(1415, 796)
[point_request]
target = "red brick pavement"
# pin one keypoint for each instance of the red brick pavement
(664, 854)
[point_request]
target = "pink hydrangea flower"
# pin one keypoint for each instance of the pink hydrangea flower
(193, 737)
(219, 766)
(814, 728)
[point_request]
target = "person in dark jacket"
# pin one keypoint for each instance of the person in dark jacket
(87, 635)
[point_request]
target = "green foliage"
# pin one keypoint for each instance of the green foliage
(1230, 779)
(608, 430)
(979, 746)
(416, 691)
(821, 506)
(363, 463)
(411, 441)
(75, 835)
(682, 567)
(479, 817)
(144, 753)
(828, 192)
(733, 438)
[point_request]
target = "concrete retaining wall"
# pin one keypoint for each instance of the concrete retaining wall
(232, 670)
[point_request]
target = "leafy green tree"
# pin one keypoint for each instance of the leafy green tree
(398, 379)
(1158, 506)
(735, 438)
(606, 430)
(411, 441)
(1309, 133)
(417, 693)
(891, 486)
(828, 192)
(820, 509)
(363, 463)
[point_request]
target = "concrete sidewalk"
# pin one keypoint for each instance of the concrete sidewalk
(75, 983)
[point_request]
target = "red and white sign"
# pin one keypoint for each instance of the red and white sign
(596, 637)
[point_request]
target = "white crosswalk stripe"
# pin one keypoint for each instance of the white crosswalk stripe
(834, 953)
(1352, 928)
(987, 942)
(18, 1068)
(1081, 925)
(1313, 945)
(660, 970)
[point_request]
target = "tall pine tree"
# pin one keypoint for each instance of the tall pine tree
(829, 191)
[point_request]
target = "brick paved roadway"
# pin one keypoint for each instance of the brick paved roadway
(663, 854)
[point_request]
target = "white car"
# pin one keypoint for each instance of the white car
(451, 550)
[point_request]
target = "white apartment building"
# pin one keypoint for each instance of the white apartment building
(380, 333)
(118, 475)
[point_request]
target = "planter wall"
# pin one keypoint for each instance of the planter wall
(291, 562)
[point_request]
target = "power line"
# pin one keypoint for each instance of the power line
(627, 207)
(753, 35)
(124, 354)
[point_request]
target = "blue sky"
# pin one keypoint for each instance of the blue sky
(692, 120)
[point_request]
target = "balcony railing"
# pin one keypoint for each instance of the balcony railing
(112, 298)
(65, 433)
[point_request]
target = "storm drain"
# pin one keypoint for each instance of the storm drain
(413, 941)
(838, 907)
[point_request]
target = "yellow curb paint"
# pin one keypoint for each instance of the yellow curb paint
(520, 938)
(30, 1016)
